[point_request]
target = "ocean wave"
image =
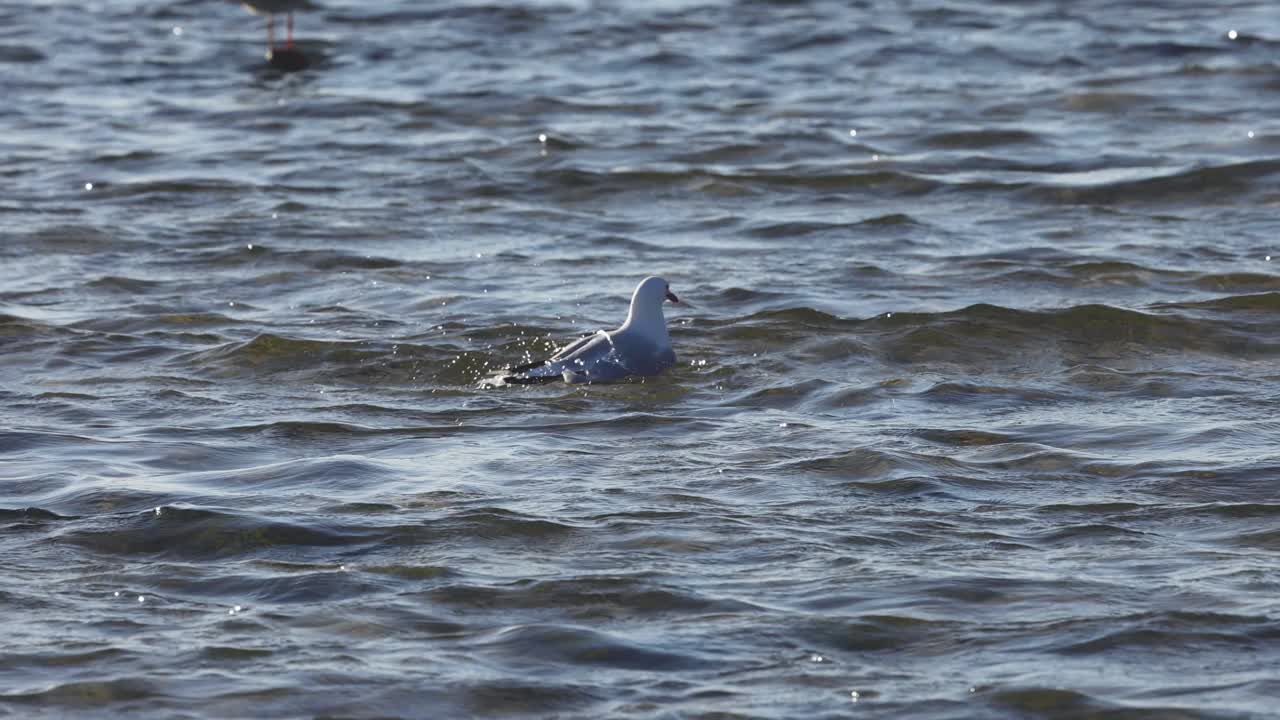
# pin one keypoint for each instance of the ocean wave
(532, 645)
(591, 598)
(813, 177)
(272, 353)
(981, 138)
(192, 534)
(1227, 183)
(1082, 332)
(85, 695)
(1175, 631)
(1267, 302)
(875, 633)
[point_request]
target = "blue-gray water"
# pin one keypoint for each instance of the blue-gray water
(975, 414)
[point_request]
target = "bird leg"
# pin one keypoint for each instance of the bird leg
(271, 31)
(289, 42)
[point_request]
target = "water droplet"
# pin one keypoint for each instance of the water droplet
(782, 425)
(542, 137)
(1268, 258)
(1250, 134)
(853, 133)
(177, 29)
(249, 246)
(117, 593)
(875, 158)
(88, 186)
(854, 696)
(142, 598)
(1232, 34)
(815, 657)
(157, 511)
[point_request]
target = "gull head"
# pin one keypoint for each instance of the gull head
(646, 301)
(651, 292)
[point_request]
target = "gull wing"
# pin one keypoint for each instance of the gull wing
(576, 357)
(557, 355)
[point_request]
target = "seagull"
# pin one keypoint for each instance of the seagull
(271, 8)
(640, 347)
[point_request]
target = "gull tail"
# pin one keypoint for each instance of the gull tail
(519, 374)
(531, 379)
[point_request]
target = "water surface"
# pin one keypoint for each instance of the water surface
(974, 416)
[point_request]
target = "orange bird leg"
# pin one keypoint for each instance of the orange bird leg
(289, 42)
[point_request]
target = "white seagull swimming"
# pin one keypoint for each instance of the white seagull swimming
(640, 347)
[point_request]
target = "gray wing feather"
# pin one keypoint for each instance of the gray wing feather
(572, 347)
(584, 354)
(578, 354)
(601, 357)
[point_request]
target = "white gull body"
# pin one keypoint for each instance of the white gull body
(641, 346)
